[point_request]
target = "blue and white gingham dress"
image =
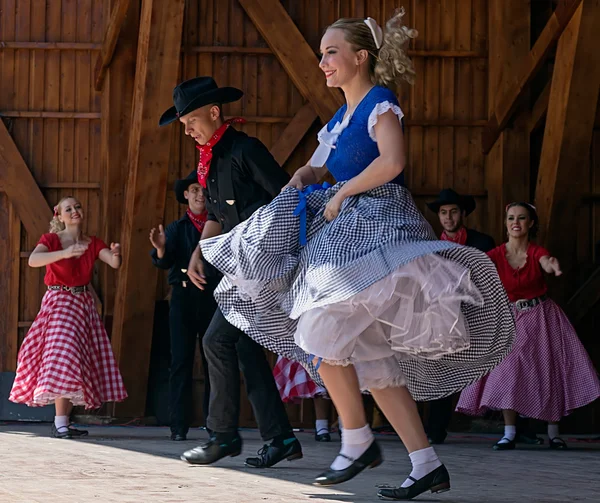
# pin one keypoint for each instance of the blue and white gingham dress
(272, 281)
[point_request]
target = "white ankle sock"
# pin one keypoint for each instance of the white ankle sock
(321, 426)
(553, 431)
(510, 432)
(423, 461)
(354, 444)
(61, 422)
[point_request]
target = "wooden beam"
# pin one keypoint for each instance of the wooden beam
(568, 133)
(295, 55)
(585, 298)
(109, 43)
(23, 192)
(10, 237)
(539, 110)
(51, 46)
(157, 73)
(509, 96)
(507, 165)
(292, 135)
(42, 114)
(116, 105)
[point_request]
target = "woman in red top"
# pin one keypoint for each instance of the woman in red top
(66, 358)
(548, 373)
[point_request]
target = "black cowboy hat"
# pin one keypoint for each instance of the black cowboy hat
(195, 93)
(182, 185)
(448, 196)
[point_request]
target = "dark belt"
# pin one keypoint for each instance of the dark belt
(526, 304)
(73, 289)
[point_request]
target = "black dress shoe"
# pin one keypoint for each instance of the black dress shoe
(528, 438)
(213, 450)
(178, 437)
(558, 443)
(75, 433)
(504, 446)
(272, 454)
(322, 436)
(62, 432)
(371, 458)
(437, 481)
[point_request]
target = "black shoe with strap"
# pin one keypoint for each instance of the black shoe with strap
(218, 447)
(371, 458)
(557, 443)
(62, 432)
(437, 481)
(75, 433)
(323, 435)
(276, 451)
(509, 445)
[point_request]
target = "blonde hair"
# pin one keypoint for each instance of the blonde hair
(55, 224)
(389, 64)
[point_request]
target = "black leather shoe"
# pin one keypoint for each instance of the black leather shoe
(62, 432)
(323, 437)
(75, 433)
(213, 450)
(558, 443)
(528, 438)
(438, 481)
(504, 446)
(272, 454)
(371, 458)
(178, 437)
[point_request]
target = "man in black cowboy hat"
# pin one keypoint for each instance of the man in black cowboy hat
(190, 309)
(452, 209)
(238, 175)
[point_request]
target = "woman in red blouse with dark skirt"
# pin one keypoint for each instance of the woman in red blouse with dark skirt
(548, 373)
(66, 357)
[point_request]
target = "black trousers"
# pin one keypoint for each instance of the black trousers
(229, 350)
(190, 313)
(440, 414)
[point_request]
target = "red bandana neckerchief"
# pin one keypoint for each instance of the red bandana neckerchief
(460, 237)
(197, 220)
(206, 150)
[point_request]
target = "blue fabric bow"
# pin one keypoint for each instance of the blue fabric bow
(301, 208)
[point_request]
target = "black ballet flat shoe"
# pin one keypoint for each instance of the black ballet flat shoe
(322, 437)
(75, 433)
(438, 481)
(371, 458)
(504, 446)
(213, 450)
(272, 454)
(62, 432)
(529, 439)
(558, 443)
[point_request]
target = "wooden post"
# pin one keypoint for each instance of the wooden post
(10, 241)
(116, 104)
(568, 133)
(157, 70)
(507, 165)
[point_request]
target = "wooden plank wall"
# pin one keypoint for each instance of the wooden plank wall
(50, 108)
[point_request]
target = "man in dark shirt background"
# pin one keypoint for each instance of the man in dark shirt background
(239, 176)
(190, 309)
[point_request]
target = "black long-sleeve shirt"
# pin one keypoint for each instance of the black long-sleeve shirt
(243, 177)
(182, 238)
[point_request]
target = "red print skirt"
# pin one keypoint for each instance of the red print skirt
(67, 354)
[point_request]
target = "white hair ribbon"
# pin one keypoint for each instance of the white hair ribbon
(376, 31)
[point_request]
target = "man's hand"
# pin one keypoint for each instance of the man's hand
(195, 269)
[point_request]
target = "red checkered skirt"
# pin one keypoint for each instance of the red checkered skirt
(67, 354)
(547, 374)
(293, 381)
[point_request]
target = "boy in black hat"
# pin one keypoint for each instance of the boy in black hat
(239, 175)
(190, 309)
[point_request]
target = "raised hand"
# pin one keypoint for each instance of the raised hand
(158, 238)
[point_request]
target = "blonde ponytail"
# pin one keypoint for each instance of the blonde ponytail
(393, 64)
